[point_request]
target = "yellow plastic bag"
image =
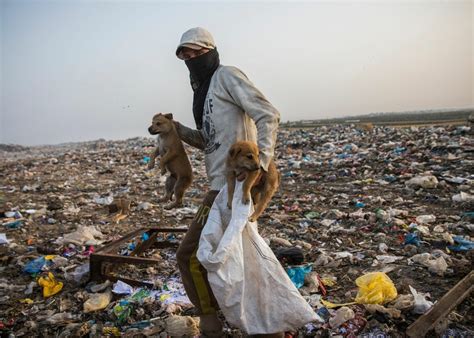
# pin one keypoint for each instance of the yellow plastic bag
(97, 301)
(375, 288)
(50, 285)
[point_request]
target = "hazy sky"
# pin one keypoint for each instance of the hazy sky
(82, 70)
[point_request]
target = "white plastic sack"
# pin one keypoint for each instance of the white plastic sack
(252, 288)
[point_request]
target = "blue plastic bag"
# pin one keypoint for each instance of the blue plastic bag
(412, 238)
(462, 244)
(35, 265)
(297, 274)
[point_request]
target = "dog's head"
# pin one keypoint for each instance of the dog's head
(161, 123)
(244, 155)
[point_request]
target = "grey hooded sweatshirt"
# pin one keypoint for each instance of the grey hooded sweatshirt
(234, 110)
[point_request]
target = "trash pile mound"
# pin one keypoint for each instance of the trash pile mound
(373, 226)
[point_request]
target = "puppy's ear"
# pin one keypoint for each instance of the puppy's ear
(169, 116)
(234, 151)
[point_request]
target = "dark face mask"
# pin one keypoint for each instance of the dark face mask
(201, 69)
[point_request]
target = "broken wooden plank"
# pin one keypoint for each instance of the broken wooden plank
(103, 261)
(443, 307)
(144, 245)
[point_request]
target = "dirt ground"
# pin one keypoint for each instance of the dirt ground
(349, 199)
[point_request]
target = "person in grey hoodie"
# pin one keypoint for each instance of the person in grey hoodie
(227, 107)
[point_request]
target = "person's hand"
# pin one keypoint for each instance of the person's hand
(241, 177)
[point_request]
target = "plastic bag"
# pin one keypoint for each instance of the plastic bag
(97, 301)
(35, 265)
(179, 326)
(84, 235)
(297, 274)
(79, 275)
(342, 315)
(50, 285)
(375, 288)
(252, 288)
(421, 304)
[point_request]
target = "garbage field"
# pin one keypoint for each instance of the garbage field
(374, 225)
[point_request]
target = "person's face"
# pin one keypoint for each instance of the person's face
(189, 53)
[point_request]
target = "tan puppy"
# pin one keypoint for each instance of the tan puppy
(243, 158)
(173, 159)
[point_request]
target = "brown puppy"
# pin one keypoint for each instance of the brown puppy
(243, 158)
(173, 159)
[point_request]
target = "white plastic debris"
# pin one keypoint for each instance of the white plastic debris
(421, 305)
(383, 247)
(426, 182)
(144, 206)
(122, 288)
(3, 239)
(387, 259)
(84, 235)
(342, 315)
(425, 219)
(103, 200)
(434, 265)
(80, 274)
(463, 197)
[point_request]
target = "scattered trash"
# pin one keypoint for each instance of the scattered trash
(290, 256)
(393, 313)
(436, 265)
(463, 197)
(84, 235)
(50, 285)
(421, 304)
(122, 288)
(178, 326)
(3, 239)
(297, 274)
(352, 201)
(342, 315)
(375, 288)
(462, 244)
(79, 275)
(97, 301)
(426, 182)
(35, 265)
(103, 200)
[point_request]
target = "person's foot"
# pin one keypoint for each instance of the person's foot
(210, 326)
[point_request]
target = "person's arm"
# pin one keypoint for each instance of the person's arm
(192, 137)
(253, 102)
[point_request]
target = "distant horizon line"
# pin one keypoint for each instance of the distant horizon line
(339, 118)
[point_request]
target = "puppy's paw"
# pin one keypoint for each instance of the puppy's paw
(245, 199)
(253, 217)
